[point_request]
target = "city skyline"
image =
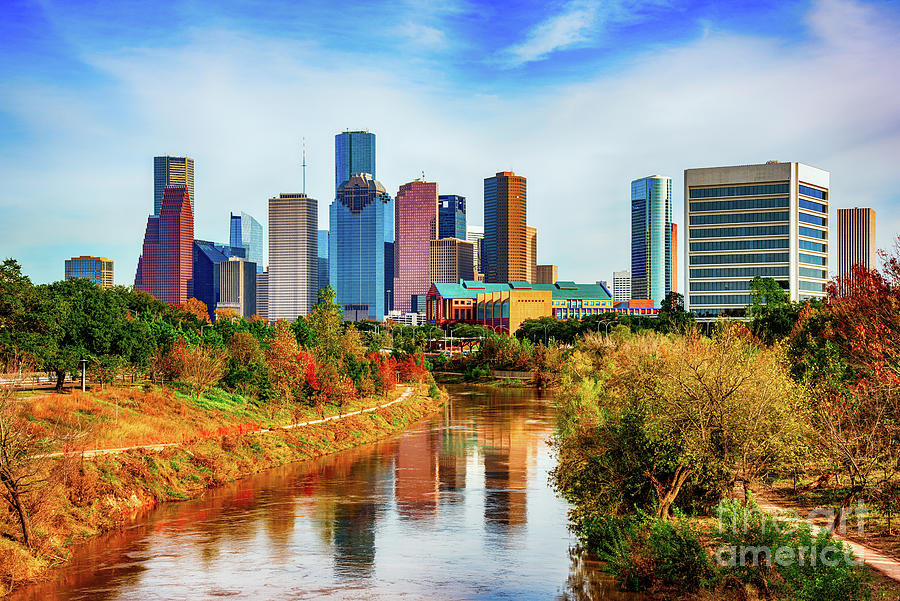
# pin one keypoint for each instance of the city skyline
(74, 98)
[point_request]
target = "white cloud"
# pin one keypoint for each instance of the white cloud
(572, 26)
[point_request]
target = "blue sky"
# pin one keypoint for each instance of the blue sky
(580, 97)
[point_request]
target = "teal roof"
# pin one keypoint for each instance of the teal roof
(559, 290)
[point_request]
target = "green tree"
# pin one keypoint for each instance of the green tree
(772, 314)
(326, 321)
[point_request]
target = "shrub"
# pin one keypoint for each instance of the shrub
(658, 553)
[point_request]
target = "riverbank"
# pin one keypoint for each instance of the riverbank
(85, 496)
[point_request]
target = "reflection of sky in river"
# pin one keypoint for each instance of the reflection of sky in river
(458, 507)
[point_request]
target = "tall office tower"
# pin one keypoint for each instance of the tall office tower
(531, 253)
(171, 171)
(361, 224)
(505, 241)
(856, 239)
(451, 261)
(293, 282)
(247, 232)
(546, 274)
(673, 271)
(452, 216)
(165, 266)
(205, 284)
(236, 286)
(354, 152)
(475, 235)
(651, 237)
(415, 220)
(323, 259)
(621, 285)
(262, 295)
(768, 220)
(96, 269)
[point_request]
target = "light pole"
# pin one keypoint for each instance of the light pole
(83, 370)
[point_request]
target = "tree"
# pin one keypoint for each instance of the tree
(672, 317)
(657, 415)
(772, 315)
(22, 464)
(326, 320)
(194, 307)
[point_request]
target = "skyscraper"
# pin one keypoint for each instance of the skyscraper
(475, 235)
(354, 152)
(651, 237)
(415, 219)
(293, 277)
(323, 258)
(531, 254)
(452, 216)
(546, 274)
(205, 282)
(451, 261)
(505, 241)
(856, 239)
(96, 269)
(165, 266)
(236, 286)
(767, 220)
(621, 285)
(171, 171)
(262, 295)
(245, 231)
(673, 271)
(361, 223)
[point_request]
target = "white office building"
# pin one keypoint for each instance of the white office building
(621, 285)
(768, 220)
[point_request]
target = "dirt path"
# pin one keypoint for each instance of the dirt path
(881, 562)
(312, 422)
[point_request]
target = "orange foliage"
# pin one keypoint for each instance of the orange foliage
(195, 307)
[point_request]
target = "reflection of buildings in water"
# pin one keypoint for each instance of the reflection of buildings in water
(416, 482)
(506, 433)
(347, 505)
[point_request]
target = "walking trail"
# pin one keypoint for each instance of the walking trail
(154, 447)
(881, 562)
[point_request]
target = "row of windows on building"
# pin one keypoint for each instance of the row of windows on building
(745, 299)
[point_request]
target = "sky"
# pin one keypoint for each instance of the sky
(579, 97)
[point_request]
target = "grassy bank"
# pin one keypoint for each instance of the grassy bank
(83, 497)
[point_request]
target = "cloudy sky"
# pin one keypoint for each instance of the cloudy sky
(580, 97)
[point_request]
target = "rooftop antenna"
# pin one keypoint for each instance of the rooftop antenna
(303, 146)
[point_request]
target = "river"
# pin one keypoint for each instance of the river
(456, 507)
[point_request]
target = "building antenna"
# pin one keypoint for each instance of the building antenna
(303, 152)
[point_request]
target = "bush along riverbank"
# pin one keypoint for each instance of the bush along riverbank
(73, 497)
(654, 433)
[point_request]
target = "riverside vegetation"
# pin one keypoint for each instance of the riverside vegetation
(207, 386)
(658, 429)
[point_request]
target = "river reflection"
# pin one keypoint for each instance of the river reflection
(457, 507)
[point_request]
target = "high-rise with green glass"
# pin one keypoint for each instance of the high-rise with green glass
(651, 237)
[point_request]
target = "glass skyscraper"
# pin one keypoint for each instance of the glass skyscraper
(651, 237)
(171, 171)
(354, 152)
(323, 259)
(361, 223)
(451, 216)
(247, 232)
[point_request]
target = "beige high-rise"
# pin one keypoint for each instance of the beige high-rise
(856, 239)
(531, 253)
(293, 256)
(451, 260)
(768, 220)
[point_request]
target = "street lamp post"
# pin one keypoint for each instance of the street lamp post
(83, 370)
